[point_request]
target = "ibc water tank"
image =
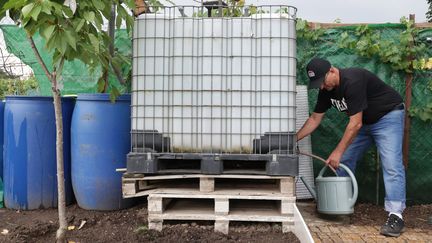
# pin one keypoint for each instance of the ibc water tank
(100, 141)
(214, 84)
(30, 171)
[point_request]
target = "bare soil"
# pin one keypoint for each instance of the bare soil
(415, 217)
(130, 225)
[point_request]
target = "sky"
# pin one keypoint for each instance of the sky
(347, 11)
(358, 11)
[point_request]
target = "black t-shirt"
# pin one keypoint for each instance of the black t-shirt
(359, 90)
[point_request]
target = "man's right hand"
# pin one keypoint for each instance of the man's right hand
(310, 125)
(334, 159)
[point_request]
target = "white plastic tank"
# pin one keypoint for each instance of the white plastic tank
(214, 84)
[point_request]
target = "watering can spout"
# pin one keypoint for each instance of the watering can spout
(309, 187)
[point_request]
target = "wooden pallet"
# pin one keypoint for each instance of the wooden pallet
(233, 205)
(136, 185)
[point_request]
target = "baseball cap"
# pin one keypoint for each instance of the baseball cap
(316, 70)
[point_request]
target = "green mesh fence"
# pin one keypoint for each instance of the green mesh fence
(75, 76)
(325, 138)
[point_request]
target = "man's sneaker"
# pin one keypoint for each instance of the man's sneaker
(393, 226)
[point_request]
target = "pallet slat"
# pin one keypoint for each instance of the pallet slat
(220, 208)
(219, 184)
(219, 198)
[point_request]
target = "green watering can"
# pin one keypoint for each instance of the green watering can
(335, 195)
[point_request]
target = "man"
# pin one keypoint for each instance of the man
(376, 115)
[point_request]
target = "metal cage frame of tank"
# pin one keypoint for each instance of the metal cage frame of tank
(214, 89)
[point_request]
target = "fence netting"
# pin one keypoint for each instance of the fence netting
(76, 79)
(326, 137)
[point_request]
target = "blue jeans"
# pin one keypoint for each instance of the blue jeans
(387, 134)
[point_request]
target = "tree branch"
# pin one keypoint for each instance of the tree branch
(118, 74)
(38, 57)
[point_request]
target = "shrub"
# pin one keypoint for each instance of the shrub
(11, 86)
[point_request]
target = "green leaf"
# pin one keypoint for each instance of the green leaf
(98, 4)
(425, 115)
(61, 43)
(46, 7)
(79, 25)
(130, 3)
(47, 32)
(57, 42)
(71, 38)
(114, 94)
(30, 27)
(58, 8)
(68, 12)
(129, 24)
(121, 13)
(26, 10)
(59, 66)
(57, 56)
(50, 44)
(99, 21)
(89, 16)
(13, 4)
(100, 84)
(35, 12)
(95, 42)
(118, 21)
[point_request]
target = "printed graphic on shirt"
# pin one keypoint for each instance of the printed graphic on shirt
(341, 105)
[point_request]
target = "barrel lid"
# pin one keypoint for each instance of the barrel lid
(103, 97)
(34, 97)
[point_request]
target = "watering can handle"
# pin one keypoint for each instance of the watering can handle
(318, 158)
(353, 179)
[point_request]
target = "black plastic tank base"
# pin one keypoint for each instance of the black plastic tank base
(284, 165)
(211, 166)
(137, 163)
(182, 163)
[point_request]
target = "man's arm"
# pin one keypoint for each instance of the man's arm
(310, 125)
(351, 130)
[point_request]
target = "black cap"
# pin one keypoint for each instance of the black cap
(316, 71)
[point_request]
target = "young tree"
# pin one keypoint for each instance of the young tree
(72, 29)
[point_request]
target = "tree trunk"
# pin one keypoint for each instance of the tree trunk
(60, 164)
(61, 232)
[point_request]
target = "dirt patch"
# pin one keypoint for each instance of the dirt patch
(128, 225)
(415, 217)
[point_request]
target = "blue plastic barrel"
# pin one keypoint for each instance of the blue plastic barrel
(2, 104)
(100, 142)
(30, 171)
